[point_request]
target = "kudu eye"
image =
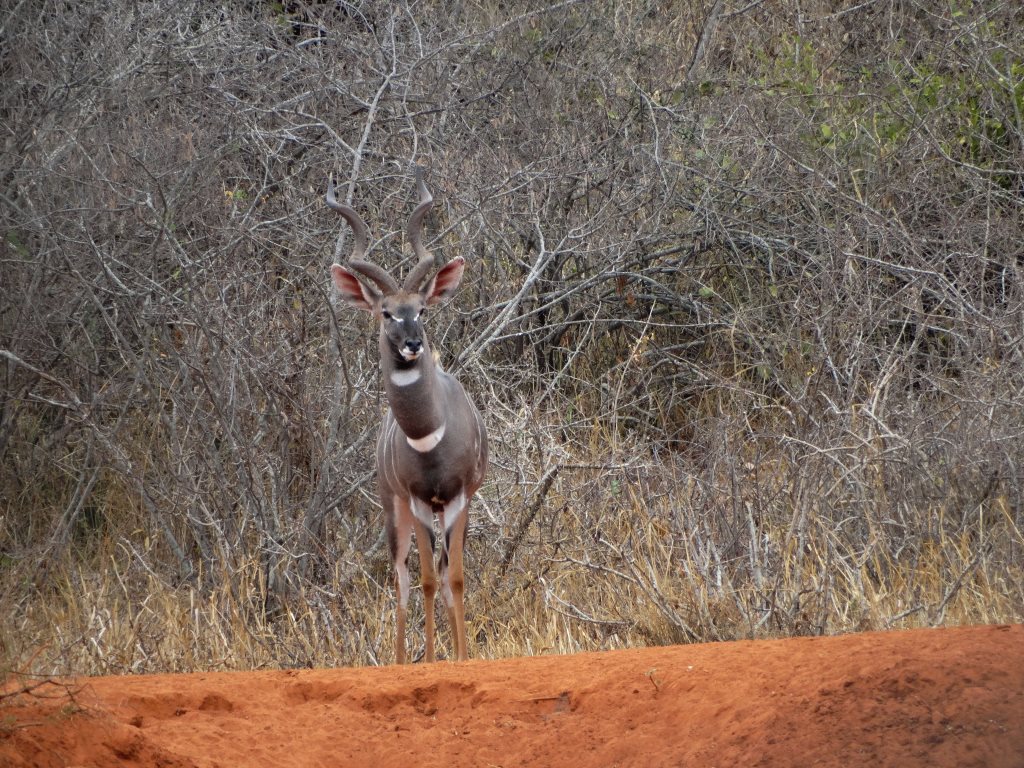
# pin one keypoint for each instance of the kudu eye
(385, 314)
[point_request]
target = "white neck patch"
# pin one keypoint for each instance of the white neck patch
(405, 378)
(427, 443)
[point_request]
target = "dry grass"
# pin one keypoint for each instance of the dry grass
(749, 343)
(601, 555)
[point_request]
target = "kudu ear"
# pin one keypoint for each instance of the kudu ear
(445, 282)
(352, 290)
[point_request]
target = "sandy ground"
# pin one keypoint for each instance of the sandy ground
(948, 697)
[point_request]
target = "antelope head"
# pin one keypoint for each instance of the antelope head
(399, 309)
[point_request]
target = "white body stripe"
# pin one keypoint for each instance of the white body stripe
(389, 454)
(453, 510)
(427, 443)
(450, 514)
(423, 512)
(405, 378)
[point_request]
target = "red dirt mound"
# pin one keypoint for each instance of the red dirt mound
(946, 697)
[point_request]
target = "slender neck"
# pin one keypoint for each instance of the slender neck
(413, 391)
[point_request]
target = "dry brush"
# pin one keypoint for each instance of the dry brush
(743, 306)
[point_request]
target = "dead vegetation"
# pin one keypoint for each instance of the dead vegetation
(745, 317)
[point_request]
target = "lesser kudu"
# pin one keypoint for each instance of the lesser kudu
(432, 448)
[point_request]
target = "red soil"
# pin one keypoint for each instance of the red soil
(945, 697)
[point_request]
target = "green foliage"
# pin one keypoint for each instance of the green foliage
(865, 117)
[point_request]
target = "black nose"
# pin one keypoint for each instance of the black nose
(414, 345)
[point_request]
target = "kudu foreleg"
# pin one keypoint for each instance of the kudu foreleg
(453, 581)
(399, 530)
(428, 579)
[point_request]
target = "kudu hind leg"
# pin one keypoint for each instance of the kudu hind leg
(446, 593)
